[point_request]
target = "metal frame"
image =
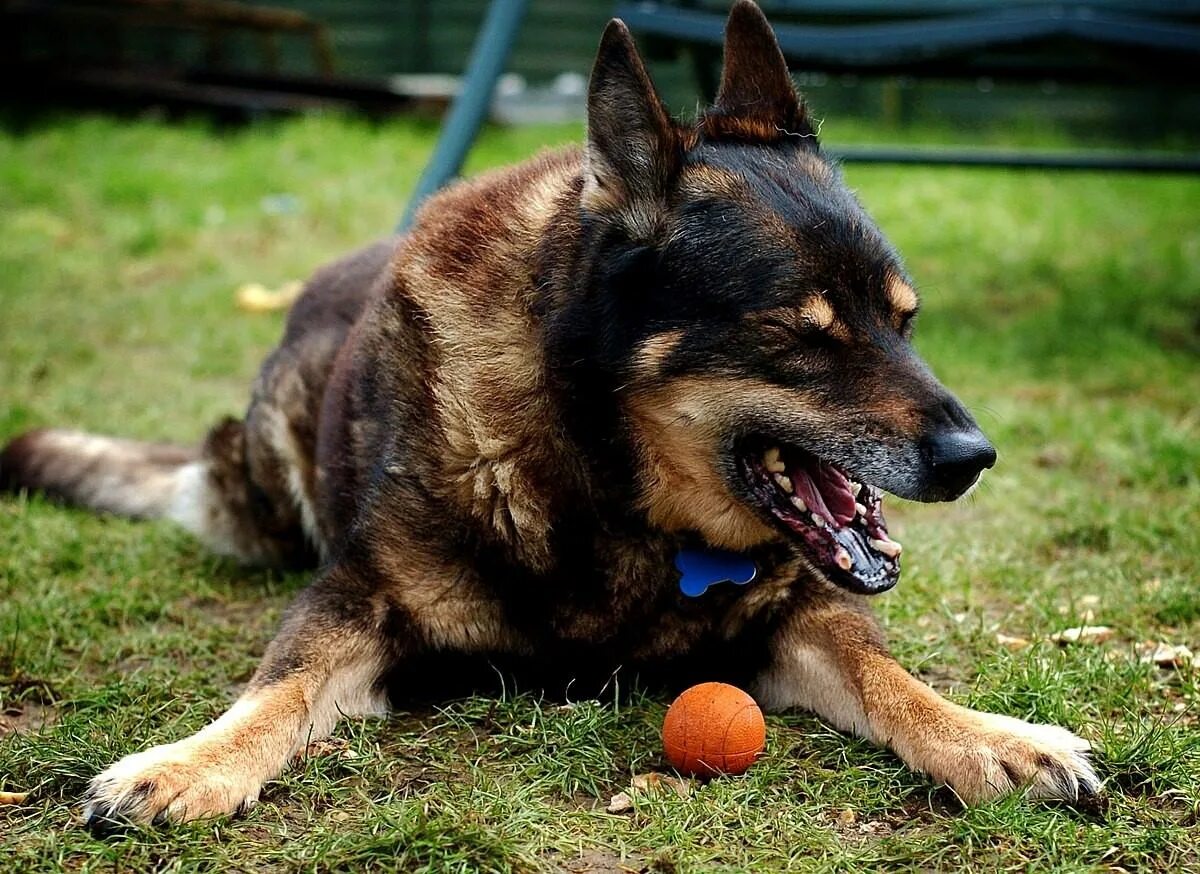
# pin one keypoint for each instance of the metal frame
(878, 46)
(940, 157)
(488, 57)
(916, 41)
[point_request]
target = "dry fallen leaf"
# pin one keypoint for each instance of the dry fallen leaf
(1083, 634)
(847, 818)
(1009, 642)
(649, 782)
(1051, 456)
(327, 746)
(1165, 655)
(620, 803)
(654, 780)
(875, 827)
(255, 297)
(13, 797)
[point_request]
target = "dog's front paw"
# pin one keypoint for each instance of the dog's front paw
(995, 755)
(171, 783)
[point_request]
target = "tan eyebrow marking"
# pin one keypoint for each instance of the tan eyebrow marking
(655, 351)
(816, 312)
(819, 313)
(901, 295)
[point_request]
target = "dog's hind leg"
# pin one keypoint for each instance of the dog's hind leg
(325, 663)
(830, 658)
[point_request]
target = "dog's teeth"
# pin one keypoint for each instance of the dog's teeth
(783, 482)
(799, 504)
(860, 509)
(890, 548)
(772, 461)
(817, 520)
(843, 559)
(855, 487)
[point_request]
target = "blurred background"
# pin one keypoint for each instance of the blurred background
(1111, 71)
(170, 170)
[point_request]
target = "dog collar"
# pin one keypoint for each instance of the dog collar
(701, 568)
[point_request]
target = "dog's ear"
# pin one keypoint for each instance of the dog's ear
(756, 87)
(633, 149)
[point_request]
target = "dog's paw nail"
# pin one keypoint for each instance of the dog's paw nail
(103, 823)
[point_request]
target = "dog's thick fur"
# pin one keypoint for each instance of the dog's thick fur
(496, 433)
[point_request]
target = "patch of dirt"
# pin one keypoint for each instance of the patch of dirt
(26, 716)
(604, 862)
(249, 625)
(946, 680)
(246, 614)
(29, 702)
(847, 823)
(1180, 337)
(412, 778)
(857, 826)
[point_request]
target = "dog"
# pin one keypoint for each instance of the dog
(498, 435)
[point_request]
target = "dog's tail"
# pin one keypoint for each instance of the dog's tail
(107, 474)
(205, 488)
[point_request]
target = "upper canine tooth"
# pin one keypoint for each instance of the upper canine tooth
(860, 509)
(784, 482)
(890, 548)
(772, 462)
(855, 487)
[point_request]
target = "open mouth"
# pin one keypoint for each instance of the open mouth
(839, 521)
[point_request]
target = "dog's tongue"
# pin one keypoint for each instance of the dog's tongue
(825, 491)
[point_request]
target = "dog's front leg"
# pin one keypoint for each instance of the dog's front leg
(323, 664)
(830, 658)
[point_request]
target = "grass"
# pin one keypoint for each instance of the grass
(1065, 309)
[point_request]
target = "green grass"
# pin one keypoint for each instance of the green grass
(1064, 309)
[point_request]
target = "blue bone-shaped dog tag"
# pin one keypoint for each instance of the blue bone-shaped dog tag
(701, 568)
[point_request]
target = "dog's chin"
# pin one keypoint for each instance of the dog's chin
(837, 521)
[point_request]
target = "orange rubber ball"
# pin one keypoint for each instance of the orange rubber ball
(713, 728)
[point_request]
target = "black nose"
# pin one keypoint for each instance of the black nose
(957, 457)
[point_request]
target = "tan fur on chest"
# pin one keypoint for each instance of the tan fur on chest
(678, 426)
(682, 490)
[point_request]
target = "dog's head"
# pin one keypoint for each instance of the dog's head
(757, 321)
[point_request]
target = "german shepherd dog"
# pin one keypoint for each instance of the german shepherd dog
(497, 434)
